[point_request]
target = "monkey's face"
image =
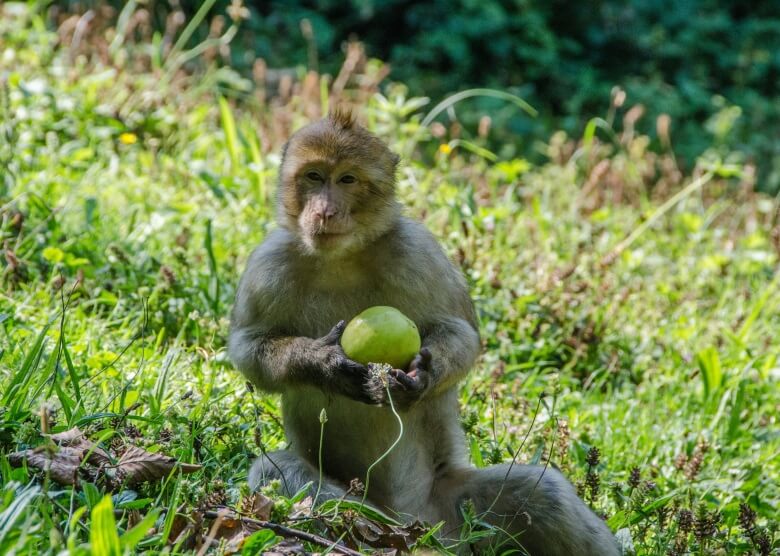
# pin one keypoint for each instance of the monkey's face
(336, 187)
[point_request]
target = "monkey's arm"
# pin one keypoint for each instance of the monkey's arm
(454, 346)
(275, 362)
(449, 349)
(444, 314)
(261, 344)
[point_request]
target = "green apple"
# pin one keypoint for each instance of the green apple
(381, 334)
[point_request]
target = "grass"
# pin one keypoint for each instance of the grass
(132, 191)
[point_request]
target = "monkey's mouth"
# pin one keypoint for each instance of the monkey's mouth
(328, 238)
(328, 235)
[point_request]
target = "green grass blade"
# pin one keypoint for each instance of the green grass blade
(476, 453)
(72, 372)
(171, 514)
(711, 372)
(196, 20)
(214, 282)
(121, 27)
(469, 93)
(590, 131)
(15, 509)
(30, 363)
(756, 309)
(229, 128)
(132, 537)
(258, 167)
(476, 149)
(103, 536)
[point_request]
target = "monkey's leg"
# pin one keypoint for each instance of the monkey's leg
(294, 473)
(537, 509)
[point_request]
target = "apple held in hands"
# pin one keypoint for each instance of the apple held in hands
(381, 335)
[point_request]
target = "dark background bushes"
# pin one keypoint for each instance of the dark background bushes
(709, 64)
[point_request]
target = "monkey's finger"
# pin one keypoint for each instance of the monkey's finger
(406, 381)
(425, 355)
(421, 361)
(332, 338)
(353, 368)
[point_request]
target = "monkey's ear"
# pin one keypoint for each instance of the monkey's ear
(396, 159)
(342, 117)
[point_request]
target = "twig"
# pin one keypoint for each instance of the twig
(220, 517)
(284, 531)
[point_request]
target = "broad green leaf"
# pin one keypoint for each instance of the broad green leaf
(258, 542)
(711, 374)
(476, 453)
(103, 536)
(133, 536)
(229, 127)
(15, 510)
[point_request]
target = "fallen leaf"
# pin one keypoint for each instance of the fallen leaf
(290, 547)
(380, 535)
(137, 466)
(301, 509)
(230, 532)
(257, 506)
(186, 530)
(76, 438)
(62, 464)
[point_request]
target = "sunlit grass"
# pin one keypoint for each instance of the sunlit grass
(127, 218)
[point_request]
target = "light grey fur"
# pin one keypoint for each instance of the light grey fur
(289, 299)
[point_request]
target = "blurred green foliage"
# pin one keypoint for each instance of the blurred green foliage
(710, 63)
(624, 305)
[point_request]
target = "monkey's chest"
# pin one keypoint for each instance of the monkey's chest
(318, 309)
(355, 436)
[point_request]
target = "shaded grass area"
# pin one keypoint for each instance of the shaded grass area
(132, 194)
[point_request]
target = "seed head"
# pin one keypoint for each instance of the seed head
(593, 457)
(634, 478)
(747, 519)
(685, 520)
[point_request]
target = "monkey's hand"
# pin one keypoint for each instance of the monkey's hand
(338, 373)
(408, 387)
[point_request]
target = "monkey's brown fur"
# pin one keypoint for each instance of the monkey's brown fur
(342, 247)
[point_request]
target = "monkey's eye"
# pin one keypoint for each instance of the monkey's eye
(313, 176)
(349, 178)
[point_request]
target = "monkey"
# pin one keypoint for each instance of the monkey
(342, 245)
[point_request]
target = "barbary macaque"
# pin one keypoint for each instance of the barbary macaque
(342, 246)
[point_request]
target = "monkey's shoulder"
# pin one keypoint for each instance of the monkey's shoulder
(410, 238)
(274, 260)
(411, 245)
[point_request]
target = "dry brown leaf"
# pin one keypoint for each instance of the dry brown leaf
(71, 455)
(257, 506)
(137, 466)
(232, 532)
(301, 509)
(186, 530)
(76, 438)
(378, 535)
(291, 547)
(62, 464)
(69, 437)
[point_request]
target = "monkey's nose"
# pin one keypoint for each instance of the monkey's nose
(326, 213)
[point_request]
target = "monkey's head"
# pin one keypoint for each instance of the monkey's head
(337, 185)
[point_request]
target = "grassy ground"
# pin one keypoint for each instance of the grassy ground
(645, 368)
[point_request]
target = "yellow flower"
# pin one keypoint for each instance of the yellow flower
(128, 138)
(444, 148)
